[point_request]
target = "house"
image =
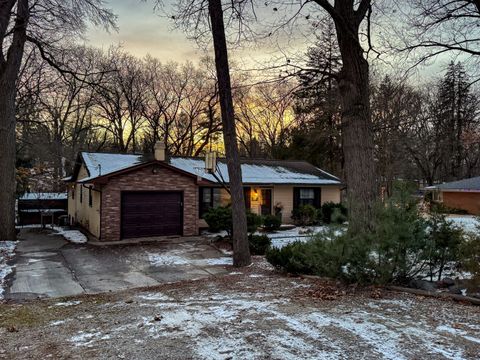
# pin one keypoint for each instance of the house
(120, 196)
(462, 194)
(38, 208)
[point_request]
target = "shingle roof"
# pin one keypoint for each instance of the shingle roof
(98, 164)
(254, 171)
(259, 171)
(471, 184)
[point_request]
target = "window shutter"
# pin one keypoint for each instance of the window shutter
(296, 197)
(246, 193)
(317, 202)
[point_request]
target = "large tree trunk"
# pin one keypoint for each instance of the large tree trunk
(8, 76)
(357, 132)
(241, 252)
(7, 159)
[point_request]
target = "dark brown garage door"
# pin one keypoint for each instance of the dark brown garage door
(151, 214)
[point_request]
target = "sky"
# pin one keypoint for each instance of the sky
(143, 32)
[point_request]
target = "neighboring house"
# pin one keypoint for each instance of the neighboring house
(33, 208)
(119, 196)
(462, 194)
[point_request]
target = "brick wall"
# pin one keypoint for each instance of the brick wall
(145, 180)
(468, 201)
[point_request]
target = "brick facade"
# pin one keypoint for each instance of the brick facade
(469, 201)
(146, 179)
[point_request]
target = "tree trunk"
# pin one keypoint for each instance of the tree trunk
(241, 252)
(7, 159)
(9, 69)
(357, 132)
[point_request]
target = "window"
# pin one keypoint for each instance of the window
(81, 193)
(306, 196)
(90, 198)
(209, 197)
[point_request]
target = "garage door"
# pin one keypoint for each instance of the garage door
(151, 214)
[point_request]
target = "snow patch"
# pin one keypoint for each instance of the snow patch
(73, 236)
(7, 252)
(68, 303)
(175, 258)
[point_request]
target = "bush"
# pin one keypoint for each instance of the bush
(259, 244)
(220, 219)
(325, 255)
(293, 258)
(470, 256)
(305, 215)
(254, 221)
(338, 217)
(272, 222)
(440, 208)
(330, 209)
(445, 240)
(392, 251)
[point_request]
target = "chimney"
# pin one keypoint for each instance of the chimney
(160, 151)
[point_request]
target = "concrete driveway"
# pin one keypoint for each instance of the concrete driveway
(49, 266)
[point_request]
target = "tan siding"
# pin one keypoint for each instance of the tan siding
(330, 194)
(80, 212)
(283, 195)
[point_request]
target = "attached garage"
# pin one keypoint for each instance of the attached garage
(151, 213)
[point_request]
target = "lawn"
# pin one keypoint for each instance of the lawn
(253, 313)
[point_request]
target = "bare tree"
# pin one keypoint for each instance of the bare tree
(120, 99)
(41, 23)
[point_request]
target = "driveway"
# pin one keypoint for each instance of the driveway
(49, 266)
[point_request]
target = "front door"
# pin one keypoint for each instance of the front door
(266, 204)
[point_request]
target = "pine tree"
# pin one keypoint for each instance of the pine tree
(455, 113)
(318, 135)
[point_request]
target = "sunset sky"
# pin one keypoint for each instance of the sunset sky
(142, 32)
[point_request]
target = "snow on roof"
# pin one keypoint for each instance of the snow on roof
(44, 196)
(471, 184)
(102, 163)
(253, 171)
(261, 171)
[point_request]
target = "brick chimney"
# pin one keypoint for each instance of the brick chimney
(160, 151)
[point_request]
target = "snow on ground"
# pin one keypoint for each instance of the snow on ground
(238, 326)
(467, 223)
(73, 236)
(282, 238)
(7, 251)
(178, 258)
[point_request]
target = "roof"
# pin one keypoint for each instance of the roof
(99, 164)
(254, 171)
(471, 184)
(44, 196)
(260, 171)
